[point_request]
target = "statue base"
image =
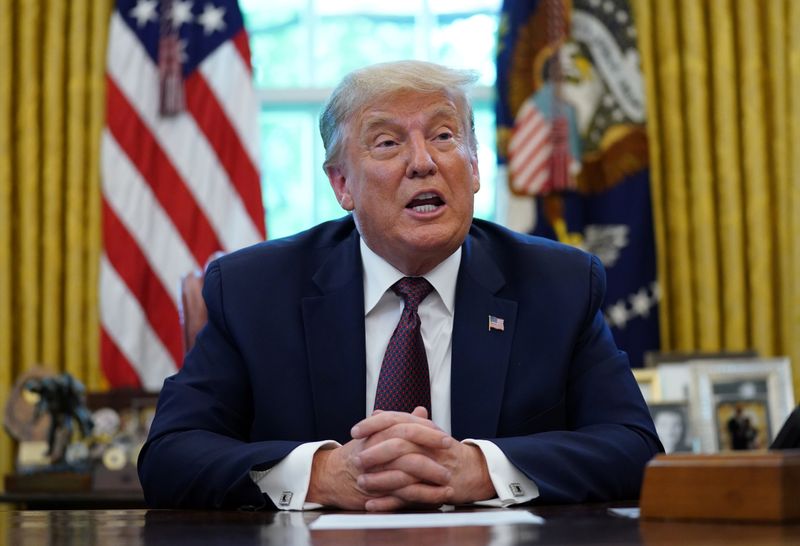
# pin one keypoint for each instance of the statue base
(48, 482)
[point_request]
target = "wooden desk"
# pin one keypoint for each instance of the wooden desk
(584, 525)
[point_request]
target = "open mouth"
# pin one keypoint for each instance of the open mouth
(425, 202)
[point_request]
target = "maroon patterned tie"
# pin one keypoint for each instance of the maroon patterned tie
(404, 382)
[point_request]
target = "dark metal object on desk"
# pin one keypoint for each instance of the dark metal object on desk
(64, 398)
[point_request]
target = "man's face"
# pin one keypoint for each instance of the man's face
(669, 427)
(409, 177)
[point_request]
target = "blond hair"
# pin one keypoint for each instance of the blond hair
(368, 85)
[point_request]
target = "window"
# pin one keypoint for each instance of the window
(302, 48)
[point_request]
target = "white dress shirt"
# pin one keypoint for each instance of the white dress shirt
(287, 482)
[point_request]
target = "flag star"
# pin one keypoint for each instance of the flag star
(212, 18)
(144, 11)
(181, 12)
(618, 314)
(640, 302)
(655, 288)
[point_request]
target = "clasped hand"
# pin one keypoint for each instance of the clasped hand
(397, 460)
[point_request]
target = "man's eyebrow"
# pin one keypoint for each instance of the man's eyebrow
(445, 112)
(378, 121)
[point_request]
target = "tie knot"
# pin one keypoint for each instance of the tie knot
(413, 290)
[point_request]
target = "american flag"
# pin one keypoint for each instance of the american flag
(538, 150)
(179, 171)
(530, 151)
(496, 323)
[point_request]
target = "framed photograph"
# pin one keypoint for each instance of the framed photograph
(674, 380)
(743, 424)
(674, 374)
(656, 358)
(738, 403)
(648, 381)
(673, 426)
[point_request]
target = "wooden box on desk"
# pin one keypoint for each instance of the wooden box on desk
(743, 486)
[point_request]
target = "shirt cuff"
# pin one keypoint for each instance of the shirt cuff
(510, 484)
(286, 483)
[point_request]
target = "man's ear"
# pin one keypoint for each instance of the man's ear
(476, 175)
(338, 182)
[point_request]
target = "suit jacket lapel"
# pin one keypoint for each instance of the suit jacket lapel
(480, 355)
(334, 330)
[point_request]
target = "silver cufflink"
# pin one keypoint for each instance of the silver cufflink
(516, 489)
(286, 498)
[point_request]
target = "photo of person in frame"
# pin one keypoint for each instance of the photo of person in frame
(742, 425)
(672, 425)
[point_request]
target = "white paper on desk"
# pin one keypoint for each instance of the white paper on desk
(632, 513)
(436, 519)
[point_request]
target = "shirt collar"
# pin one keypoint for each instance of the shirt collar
(380, 275)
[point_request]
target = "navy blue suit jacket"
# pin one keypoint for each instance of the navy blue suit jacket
(282, 361)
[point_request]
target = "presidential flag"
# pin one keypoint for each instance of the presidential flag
(571, 133)
(180, 176)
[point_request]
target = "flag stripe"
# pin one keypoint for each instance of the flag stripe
(157, 170)
(533, 157)
(243, 47)
(228, 76)
(536, 181)
(532, 147)
(116, 368)
(529, 135)
(131, 265)
(132, 200)
(530, 150)
(225, 141)
(130, 329)
(537, 161)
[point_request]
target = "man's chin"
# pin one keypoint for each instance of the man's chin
(433, 247)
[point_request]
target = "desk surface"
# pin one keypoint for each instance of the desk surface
(584, 525)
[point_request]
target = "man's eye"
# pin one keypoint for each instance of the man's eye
(446, 135)
(385, 143)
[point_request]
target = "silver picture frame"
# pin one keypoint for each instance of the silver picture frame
(756, 391)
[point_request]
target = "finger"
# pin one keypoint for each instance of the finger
(417, 467)
(382, 483)
(385, 419)
(420, 493)
(387, 451)
(411, 432)
(420, 411)
(384, 504)
(424, 468)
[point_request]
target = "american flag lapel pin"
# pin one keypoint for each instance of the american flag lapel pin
(496, 323)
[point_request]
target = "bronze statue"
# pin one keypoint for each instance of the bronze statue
(63, 398)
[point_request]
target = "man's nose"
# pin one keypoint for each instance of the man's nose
(420, 161)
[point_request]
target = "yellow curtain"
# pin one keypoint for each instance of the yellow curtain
(722, 80)
(52, 56)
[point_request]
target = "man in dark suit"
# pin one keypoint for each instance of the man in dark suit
(404, 355)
